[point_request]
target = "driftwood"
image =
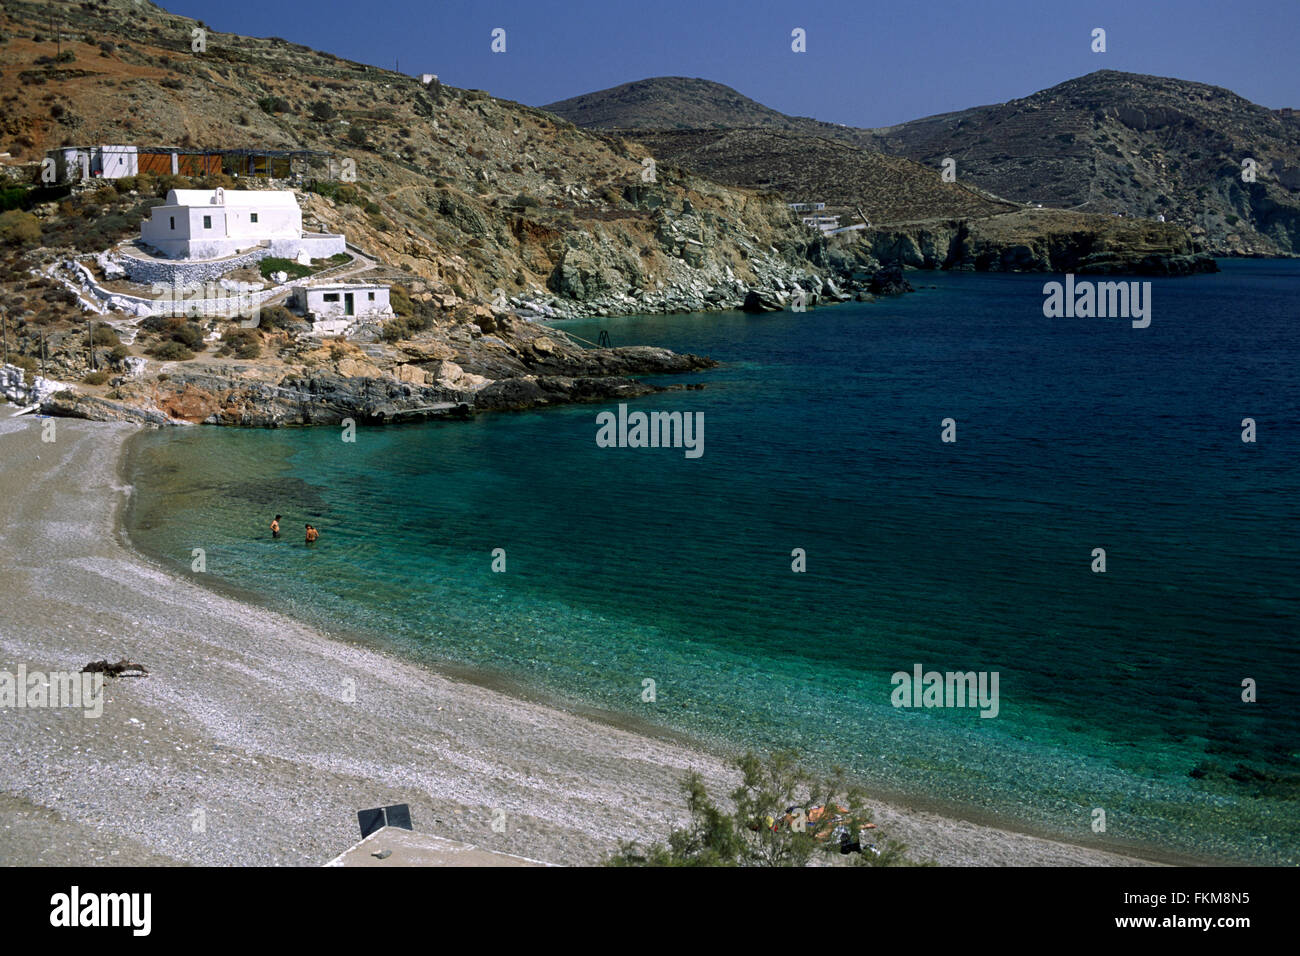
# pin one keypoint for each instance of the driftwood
(122, 668)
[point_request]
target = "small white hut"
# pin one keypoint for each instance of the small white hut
(336, 307)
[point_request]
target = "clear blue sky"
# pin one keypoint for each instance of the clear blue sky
(868, 63)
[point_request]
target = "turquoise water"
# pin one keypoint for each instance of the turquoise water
(1119, 691)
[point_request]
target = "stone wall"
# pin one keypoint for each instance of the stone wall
(317, 245)
(149, 271)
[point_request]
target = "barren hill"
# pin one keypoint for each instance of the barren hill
(1107, 143)
(463, 189)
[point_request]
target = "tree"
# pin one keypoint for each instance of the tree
(783, 816)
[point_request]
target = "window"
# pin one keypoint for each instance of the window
(207, 222)
(252, 217)
(330, 297)
(372, 297)
(173, 219)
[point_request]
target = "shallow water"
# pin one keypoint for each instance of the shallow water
(1118, 691)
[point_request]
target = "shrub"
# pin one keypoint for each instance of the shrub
(243, 343)
(171, 351)
(13, 197)
(19, 228)
(119, 353)
(274, 317)
(395, 329)
(358, 135)
(274, 104)
(188, 334)
(107, 47)
(174, 328)
(322, 112)
(275, 264)
(95, 378)
(104, 335)
(400, 300)
(339, 192)
(762, 831)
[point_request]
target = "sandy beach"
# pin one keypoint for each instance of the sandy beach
(239, 747)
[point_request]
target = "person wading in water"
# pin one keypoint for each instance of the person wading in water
(312, 534)
(275, 527)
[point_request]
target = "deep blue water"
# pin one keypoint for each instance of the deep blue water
(1118, 690)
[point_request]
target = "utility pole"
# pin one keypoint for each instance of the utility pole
(4, 332)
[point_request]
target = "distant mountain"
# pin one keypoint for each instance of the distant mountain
(670, 102)
(812, 168)
(1108, 142)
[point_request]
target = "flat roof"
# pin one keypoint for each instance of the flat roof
(329, 286)
(409, 848)
(233, 197)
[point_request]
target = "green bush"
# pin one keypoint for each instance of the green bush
(189, 335)
(395, 330)
(275, 264)
(95, 378)
(103, 335)
(274, 317)
(119, 353)
(19, 228)
(13, 197)
(761, 830)
(322, 112)
(242, 343)
(171, 351)
(274, 104)
(400, 300)
(174, 328)
(339, 192)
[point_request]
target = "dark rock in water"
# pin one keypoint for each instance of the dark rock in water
(762, 301)
(889, 281)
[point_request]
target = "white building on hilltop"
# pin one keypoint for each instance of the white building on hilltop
(216, 223)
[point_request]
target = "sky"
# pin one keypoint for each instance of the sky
(866, 64)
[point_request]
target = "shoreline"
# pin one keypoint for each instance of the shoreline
(243, 718)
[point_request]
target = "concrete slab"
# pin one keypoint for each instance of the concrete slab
(409, 848)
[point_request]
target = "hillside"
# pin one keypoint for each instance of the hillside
(470, 191)
(1105, 143)
(479, 208)
(672, 102)
(1124, 142)
(804, 168)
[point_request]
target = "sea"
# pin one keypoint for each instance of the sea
(947, 482)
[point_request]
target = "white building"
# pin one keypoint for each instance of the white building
(215, 223)
(335, 307)
(826, 224)
(88, 162)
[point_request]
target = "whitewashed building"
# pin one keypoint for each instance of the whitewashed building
(87, 162)
(334, 308)
(216, 223)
